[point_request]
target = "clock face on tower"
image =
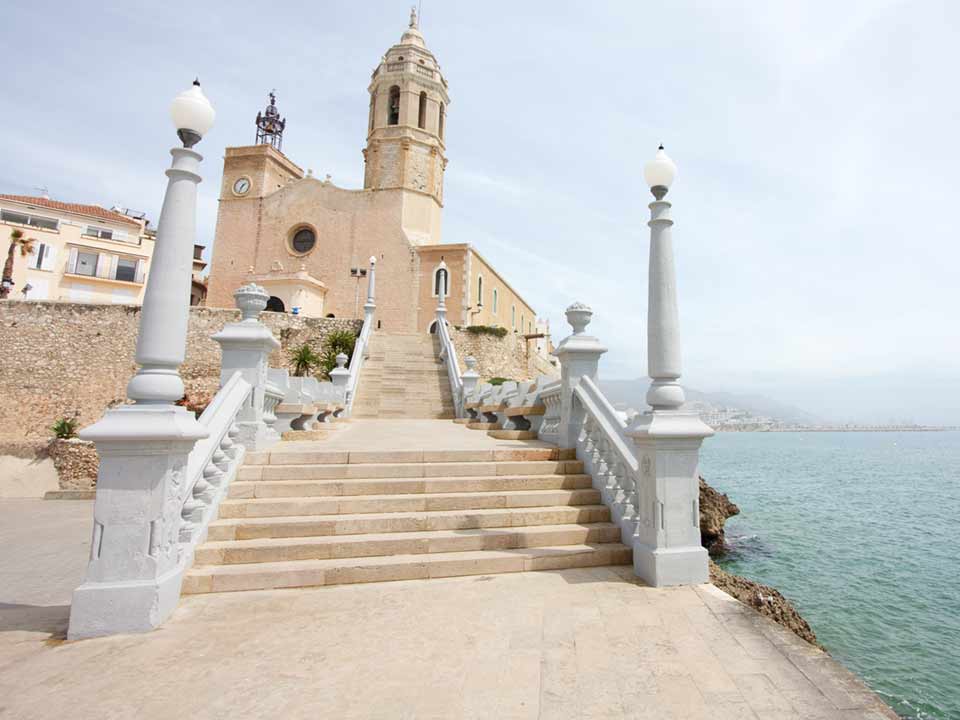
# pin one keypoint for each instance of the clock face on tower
(241, 186)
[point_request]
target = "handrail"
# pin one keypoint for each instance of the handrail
(597, 405)
(608, 457)
(212, 464)
(550, 397)
(356, 362)
(448, 353)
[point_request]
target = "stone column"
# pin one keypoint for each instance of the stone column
(132, 582)
(369, 306)
(470, 377)
(340, 377)
(667, 440)
(246, 347)
(579, 355)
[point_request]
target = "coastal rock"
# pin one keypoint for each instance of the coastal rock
(765, 600)
(715, 508)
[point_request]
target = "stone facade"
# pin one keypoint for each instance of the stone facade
(304, 239)
(80, 253)
(66, 359)
(77, 463)
(505, 357)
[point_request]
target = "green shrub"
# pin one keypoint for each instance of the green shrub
(303, 360)
(486, 330)
(65, 428)
(500, 380)
(339, 341)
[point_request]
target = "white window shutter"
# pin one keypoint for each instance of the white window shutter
(103, 265)
(141, 267)
(114, 259)
(35, 251)
(49, 257)
(72, 262)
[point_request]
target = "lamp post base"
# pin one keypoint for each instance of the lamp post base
(662, 567)
(109, 608)
(667, 550)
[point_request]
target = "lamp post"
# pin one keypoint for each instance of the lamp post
(668, 550)
(132, 581)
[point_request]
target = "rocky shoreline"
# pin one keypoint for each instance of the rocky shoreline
(715, 509)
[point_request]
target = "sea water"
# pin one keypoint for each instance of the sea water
(860, 532)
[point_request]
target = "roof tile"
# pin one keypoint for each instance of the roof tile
(91, 210)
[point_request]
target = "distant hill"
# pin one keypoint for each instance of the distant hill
(632, 393)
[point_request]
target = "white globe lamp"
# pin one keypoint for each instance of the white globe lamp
(660, 172)
(192, 115)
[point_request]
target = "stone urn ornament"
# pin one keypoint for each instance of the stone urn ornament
(579, 315)
(251, 300)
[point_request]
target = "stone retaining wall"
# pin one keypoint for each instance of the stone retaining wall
(66, 359)
(504, 357)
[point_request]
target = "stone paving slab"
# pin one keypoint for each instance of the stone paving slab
(582, 643)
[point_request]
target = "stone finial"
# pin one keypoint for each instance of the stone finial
(342, 360)
(413, 18)
(471, 362)
(579, 315)
(251, 300)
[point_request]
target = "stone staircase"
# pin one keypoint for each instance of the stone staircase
(307, 518)
(403, 378)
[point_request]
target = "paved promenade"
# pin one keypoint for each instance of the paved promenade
(583, 643)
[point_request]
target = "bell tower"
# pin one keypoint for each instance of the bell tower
(408, 107)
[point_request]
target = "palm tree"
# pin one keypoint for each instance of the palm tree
(26, 247)
(304, 359)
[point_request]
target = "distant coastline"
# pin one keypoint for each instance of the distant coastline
(736, 427)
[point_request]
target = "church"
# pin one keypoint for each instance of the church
(309, 242)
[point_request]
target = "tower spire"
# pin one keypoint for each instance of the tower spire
(413, 18)
(270, 125)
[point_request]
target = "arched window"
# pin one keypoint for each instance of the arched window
(513, 316)
(422, 115)
(495, 301)
(331, 315)
(433, 328)
(479, 290)
(521, 322)
(440, 123)
(275, 304)
(393, 109)
(373, 111)
(441, 281)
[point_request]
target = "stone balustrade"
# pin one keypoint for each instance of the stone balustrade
(646, 476)
(351, 379)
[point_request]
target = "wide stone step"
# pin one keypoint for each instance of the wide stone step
(378, 522)
(319, 471)
(411, 502)
(308, 573)
(397, 486)
(411, 543)
(292, 454)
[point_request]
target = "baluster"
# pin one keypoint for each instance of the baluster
(227, 447)
(234, 433)
(627, 482)
(221, 460)
(203, 491)
(192, 514)
(213, 475)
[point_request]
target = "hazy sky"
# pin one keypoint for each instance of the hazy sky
(815, 206)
